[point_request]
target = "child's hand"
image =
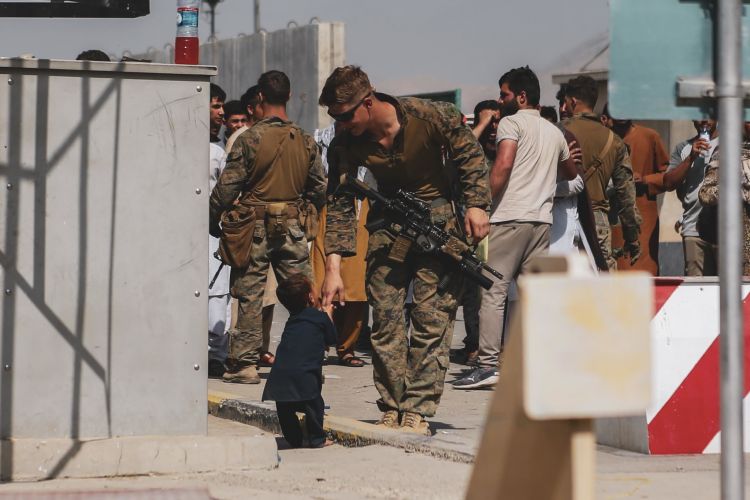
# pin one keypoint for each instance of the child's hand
(328, 310)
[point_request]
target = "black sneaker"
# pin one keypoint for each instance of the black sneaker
(480, 377)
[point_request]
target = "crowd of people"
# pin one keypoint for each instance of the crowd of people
(517, 184)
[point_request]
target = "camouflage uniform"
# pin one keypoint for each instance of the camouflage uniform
(251, 174)
(599, 168)
(709, 199)
(409, 374)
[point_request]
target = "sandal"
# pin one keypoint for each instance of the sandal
(351, 361)
(267, 359)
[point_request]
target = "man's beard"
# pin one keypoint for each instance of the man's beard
(510, 108)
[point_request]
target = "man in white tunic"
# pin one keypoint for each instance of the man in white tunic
(219, 310)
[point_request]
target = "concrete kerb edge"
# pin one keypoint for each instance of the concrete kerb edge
(126, 456)
(344, 431)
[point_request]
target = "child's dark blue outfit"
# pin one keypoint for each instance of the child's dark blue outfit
(296, 378)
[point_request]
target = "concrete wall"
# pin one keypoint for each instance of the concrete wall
(307, 54)
(103, 250)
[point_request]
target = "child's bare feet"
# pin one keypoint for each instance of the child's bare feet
(322, 444)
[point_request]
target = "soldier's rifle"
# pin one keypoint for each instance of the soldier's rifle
(408, 218)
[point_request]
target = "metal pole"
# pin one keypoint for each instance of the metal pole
(256, 15)
(730, 100)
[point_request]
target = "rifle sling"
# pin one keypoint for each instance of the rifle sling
(591, 170)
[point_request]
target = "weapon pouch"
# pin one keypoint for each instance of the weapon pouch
(309, 220)
(237, 227)
(276, 220)
(400, 249)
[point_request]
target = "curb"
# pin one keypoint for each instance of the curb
(344, 431)
(42, 459)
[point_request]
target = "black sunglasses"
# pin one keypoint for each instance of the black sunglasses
(347, 116)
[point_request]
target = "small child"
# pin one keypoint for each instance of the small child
(296, 377)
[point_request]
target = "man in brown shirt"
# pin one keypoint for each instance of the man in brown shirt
(402, 141)
(649, 160)
(273, 167)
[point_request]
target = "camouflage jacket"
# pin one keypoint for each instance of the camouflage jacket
(248, 169)
(603, 164)
(416, 163)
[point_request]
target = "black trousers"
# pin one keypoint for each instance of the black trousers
(290, 427)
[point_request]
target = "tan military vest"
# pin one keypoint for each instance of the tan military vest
(415, 163)
(598, 160)
(281, 165)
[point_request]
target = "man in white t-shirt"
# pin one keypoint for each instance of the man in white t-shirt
(530, 153)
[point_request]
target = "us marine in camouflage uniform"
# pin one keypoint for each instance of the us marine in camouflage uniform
(605, 157)
(273, 167)
(401, 141)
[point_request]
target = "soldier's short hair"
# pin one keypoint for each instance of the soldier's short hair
(345, 85)
(584, 89)
(218, 92)
(275, 87)
(294, 292)
(250, 97)
(522, 80)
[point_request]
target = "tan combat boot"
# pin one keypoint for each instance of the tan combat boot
(414, 422)
(242, 375)
(389, 419)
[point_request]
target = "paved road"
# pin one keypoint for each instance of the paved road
(350, 392)
(381, 472)
(336, 472)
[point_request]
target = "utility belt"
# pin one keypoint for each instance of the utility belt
(238, 226)
(276, 214)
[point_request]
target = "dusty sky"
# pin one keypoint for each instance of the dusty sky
(405, 45)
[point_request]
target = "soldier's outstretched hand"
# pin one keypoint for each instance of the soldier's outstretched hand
(333, 287)
(476, 223)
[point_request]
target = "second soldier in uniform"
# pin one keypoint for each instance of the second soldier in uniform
(402, 141)
(273, 170)
(605, 157)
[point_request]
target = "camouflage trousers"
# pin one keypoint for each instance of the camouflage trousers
(604, 235)
(409, 372)
(289, 255)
